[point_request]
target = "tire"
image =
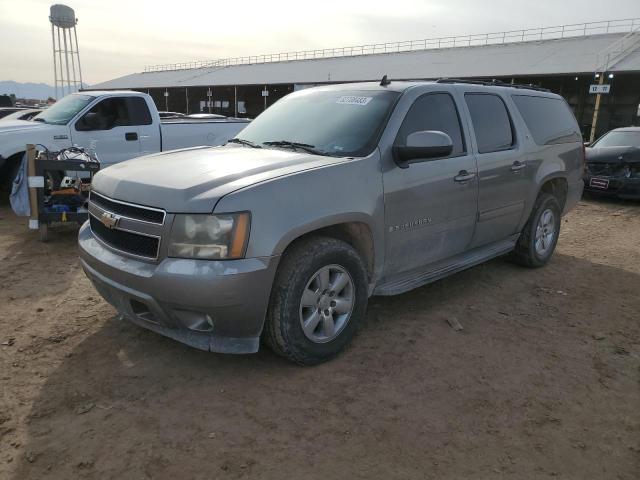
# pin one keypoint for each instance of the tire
(8, 173)
(297, 291)
(535, 247)
(43, 230)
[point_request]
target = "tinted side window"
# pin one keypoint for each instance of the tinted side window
(118, 112)
(549, 119)
(139, 111)
(491, 122)
(433, 111)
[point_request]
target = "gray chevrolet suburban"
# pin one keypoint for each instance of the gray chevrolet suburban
(332, 195)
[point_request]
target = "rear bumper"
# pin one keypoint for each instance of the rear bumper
(574, 193)
(218, 306)
(617, 187)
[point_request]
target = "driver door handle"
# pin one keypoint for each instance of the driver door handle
(464, 176)
(517, 166)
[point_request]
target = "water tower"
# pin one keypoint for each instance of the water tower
(66, 58)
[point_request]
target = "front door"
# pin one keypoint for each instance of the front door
(430, 207)
(112, 132)
(502, 177)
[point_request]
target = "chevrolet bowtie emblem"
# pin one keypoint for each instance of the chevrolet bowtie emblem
(109, 220)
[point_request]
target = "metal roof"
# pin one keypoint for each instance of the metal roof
(543, 57)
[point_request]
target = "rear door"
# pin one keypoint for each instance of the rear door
(430, 207)
(502, 166)
(114, 135)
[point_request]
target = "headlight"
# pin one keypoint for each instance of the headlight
(209, 236)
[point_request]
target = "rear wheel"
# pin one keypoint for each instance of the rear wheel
(540, 234)
(318, 299)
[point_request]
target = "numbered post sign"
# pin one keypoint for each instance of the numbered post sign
(599, 88)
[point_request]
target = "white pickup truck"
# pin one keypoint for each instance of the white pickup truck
(115, 125)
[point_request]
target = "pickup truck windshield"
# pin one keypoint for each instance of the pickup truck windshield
(64, 109)
(337, 123)
(619, 139)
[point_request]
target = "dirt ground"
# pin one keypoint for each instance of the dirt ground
(544, 380)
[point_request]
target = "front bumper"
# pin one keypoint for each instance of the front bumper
(218, 306)
(622, 187)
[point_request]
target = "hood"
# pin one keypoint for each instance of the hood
(193, 180)
(613, 155)
(20, 125)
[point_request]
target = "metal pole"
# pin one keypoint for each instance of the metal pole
(66, 57)
(55, 66)
(73, 64)
(596, 110)
(60, 62)
(75, 34)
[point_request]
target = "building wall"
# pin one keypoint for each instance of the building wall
(617, 109)
(249, 98)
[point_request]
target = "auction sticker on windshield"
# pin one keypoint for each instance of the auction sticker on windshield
(352, 100)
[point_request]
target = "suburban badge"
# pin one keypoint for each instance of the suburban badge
(421, 222)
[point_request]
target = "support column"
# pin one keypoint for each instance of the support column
(596, 110)
(55, 63)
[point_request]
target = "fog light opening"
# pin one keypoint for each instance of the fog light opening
(196, 321)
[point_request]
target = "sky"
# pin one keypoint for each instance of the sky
(118, 37)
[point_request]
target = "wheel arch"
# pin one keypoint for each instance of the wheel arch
(8, 167)
(8, 160)
(556, 185)
(356, 230)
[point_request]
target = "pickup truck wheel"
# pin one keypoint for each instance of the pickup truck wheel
(540, 234)
(318, 299)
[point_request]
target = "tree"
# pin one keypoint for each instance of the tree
(6, 100)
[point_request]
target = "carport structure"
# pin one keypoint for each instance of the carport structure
(567, 59)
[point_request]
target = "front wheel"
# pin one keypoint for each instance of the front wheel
(318, 299)
(540, 234)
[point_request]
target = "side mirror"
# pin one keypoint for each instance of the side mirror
(587, 144)
(421, 147)
(91, 121)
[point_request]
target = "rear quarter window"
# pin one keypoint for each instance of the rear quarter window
(138, 111)
(550, 120)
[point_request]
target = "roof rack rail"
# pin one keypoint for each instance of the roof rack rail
(495, 83)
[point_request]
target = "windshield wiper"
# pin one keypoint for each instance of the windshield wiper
(38, 120)
(242, 141)
(295, 145)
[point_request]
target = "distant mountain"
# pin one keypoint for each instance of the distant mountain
(37, 91)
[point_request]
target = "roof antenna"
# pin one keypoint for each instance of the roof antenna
(385, 81)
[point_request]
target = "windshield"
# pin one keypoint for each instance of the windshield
(619, 139)
(338, 123)
(63, 110)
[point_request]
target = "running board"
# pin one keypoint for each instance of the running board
(445, 268)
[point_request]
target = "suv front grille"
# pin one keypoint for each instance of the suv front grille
(606, 169)
(127, 242)
(136, 212)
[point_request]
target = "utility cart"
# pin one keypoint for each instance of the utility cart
(59, 187)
